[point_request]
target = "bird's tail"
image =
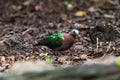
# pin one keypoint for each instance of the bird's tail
(39, 42)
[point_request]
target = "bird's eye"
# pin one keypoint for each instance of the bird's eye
(75, 31)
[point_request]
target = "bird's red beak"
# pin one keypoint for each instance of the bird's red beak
(78, 36)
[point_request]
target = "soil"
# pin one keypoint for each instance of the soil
(23, 22)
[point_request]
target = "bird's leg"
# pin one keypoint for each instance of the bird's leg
(33, 55)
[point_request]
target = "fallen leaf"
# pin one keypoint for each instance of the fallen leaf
(80, 13)
(109, 16)
(43, 54)
(81, 57)
(66, 2)
(2, 60)
(62, 58)
(76, 58)
(92, 9)
(49, 59)
(11, 60)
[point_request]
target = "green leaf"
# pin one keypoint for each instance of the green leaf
(49, 59)
(66, 2)
(117, 63)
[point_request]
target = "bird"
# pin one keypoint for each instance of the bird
(60, 41)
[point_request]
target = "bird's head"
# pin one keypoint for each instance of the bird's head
(75, 33)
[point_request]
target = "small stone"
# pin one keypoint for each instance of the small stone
(69, 6)
(37, 7)
(92, 9)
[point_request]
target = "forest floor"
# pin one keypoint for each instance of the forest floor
(22, 22)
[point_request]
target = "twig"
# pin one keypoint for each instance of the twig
(109, 46)
(97, 45)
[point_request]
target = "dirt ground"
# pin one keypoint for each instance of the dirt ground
(22, 22)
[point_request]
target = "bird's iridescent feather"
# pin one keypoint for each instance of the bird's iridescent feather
(54, 40)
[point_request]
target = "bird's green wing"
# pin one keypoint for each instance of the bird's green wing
(54, 40)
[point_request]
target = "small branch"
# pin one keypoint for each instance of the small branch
(97, 45)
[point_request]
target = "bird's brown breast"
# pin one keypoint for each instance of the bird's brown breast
(68, 42)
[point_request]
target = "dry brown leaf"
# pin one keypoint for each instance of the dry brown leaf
(76, 58)
(92, 9)
(33, 58)
(81, 57)
(62, 58)
(12, 60)
(43, 54)
(2, 60)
